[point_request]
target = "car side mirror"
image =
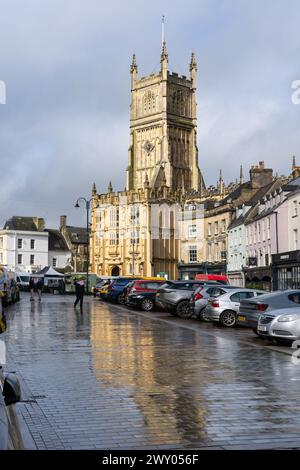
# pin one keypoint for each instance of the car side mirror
(11, 389)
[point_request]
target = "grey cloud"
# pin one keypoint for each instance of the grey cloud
(66, 66)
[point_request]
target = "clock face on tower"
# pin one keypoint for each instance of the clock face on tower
(148, 147)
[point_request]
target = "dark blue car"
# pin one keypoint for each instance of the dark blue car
(116, 290)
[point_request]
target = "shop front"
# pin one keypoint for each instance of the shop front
(286, 270)
(259, 277)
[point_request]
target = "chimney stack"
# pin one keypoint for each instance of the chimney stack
(63, 222)
(39, 223)
(260, 176)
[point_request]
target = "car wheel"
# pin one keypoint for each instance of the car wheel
(147, 305)
(183, 309)
(121, 299)
(255, 331)
(228, 318)
(201, 315)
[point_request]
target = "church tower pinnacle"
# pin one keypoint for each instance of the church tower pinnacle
(164, 61)
(133, 71)
(193, 70)
(163, 129)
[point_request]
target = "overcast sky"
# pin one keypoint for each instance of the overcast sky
(66, 68)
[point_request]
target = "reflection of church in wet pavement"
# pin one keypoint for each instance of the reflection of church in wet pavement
(147, 380)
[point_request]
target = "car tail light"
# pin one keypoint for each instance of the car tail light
(261, 307)
(215, 303)
(197, 296)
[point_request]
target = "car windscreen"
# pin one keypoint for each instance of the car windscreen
(184, 285)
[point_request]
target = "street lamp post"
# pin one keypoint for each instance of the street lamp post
(87, 206)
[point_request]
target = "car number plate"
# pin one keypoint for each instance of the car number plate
(262, 328)
(241, 318)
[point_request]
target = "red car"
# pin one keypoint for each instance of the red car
(220, 278)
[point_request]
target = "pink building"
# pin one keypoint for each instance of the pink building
(266, 235)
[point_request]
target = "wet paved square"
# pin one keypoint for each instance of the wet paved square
(111, 378)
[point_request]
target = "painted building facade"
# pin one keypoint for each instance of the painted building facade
(24, 244)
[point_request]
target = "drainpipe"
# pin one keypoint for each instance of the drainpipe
(273, 270)
(276, 221)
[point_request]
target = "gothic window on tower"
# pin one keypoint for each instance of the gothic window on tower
(113, 217)
(112, 238)
(149, 102)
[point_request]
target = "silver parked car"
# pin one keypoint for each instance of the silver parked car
(251, 309)
(174, 296)
(282, 324)
(224, 309)
(200, 298)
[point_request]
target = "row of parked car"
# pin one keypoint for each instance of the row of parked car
(9, 287)
(275, 314)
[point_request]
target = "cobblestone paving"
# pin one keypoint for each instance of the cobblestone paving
(111, 378)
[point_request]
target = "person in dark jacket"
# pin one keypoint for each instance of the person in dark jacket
(31, 287)
(36, 284)
(79, 291)
(40, 285)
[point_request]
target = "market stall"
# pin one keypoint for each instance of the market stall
(53, 280)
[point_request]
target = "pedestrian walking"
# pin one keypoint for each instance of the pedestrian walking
(36, 285)
(31, 288)
(40, 285)
(79, 291)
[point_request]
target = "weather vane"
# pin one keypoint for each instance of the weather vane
(163, 30)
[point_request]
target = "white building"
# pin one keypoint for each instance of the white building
(24, 244)
(294, 220)
(236, 255)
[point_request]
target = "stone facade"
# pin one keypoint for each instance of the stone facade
(167, 221)
(130, 232)
(77, 241)
(163, 123)
(220, 204)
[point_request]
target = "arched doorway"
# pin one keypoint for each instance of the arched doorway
(267, 283)
(115, 271)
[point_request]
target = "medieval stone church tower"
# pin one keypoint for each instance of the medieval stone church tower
(163, 122)
(162, 168)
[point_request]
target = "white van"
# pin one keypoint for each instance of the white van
(23, 280)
